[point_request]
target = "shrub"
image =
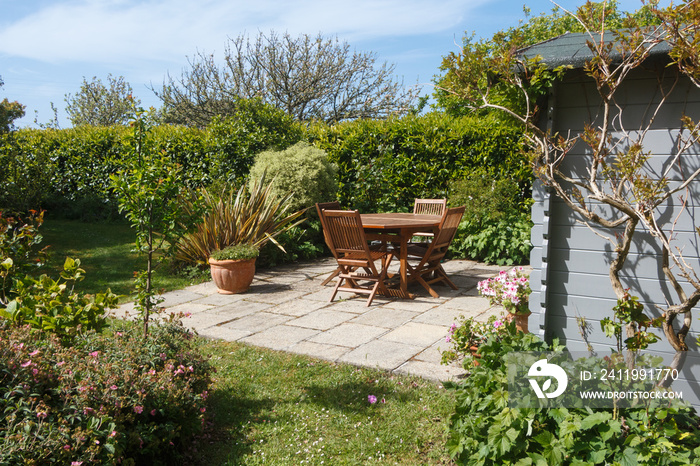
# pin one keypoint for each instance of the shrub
(302, 170)
(496, 224)
(505, 242)
(109, 399)
(484, 430)
(250, 216)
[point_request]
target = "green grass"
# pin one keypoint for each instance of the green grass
(106, 253)
(272, 407)
(278, 408)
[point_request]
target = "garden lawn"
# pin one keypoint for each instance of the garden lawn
(106, 253)
(279, 408)
(272, 407)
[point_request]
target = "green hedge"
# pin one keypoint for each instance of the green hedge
(386, 164)
(69, 169)
(383, 164)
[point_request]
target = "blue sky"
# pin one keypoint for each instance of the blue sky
(48, 46)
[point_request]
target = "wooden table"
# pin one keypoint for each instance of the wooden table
(399, 228)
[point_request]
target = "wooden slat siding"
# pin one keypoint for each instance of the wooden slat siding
(577, 259)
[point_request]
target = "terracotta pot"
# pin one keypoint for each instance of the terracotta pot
(473, 350)
(232, 276)
(521, 321)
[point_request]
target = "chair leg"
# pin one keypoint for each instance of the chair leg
(425, 284)
(331, 277)
(375, 288)
(441, 272)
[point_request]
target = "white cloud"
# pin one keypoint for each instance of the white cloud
(119, 31)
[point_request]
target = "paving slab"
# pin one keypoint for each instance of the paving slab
(350, 335)
(323, 319)
(418, 334)
(382, 354)
(385, 317)
(279, 337)
(256, 322)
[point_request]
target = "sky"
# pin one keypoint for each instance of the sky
(47, 47)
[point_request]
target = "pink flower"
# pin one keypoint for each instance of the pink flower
(153, 412)
(138, 409)
(41, 415)
(76, 463)
(94, 354)
(34, 353)
(26, 364)
(372, 399)
(113, 387)
(113, 434)
(497, 324)
(66, 447)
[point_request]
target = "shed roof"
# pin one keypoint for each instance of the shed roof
(571, 49)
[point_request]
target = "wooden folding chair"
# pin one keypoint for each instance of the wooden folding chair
(320, 206)
(428, 207)
(429, 269)
(348, 242)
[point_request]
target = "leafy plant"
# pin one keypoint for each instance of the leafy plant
(53, 306)
(115, 398)
(486, 430)
(469, 333)
(236, 252)
(249, 216)
(504, 242)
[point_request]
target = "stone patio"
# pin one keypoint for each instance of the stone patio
(287, 309)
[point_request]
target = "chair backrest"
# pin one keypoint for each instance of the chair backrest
(429, 206)
(320, 207)
(333, 205)
(344, 232)
(448, 227)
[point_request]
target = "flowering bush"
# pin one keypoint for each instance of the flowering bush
(509, 289)
(108, 399)
(471, 333)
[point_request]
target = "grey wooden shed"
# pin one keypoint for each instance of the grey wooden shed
(570, 261)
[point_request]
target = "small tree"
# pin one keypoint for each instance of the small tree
(150, 189)
(310, 78)
(99, 105)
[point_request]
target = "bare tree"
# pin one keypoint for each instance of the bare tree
(99, 105)
(309, 78)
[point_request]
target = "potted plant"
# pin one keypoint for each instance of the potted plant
(512, 291)
(467, 335)
(233, 268)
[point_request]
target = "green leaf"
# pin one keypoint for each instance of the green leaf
(595, 419)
